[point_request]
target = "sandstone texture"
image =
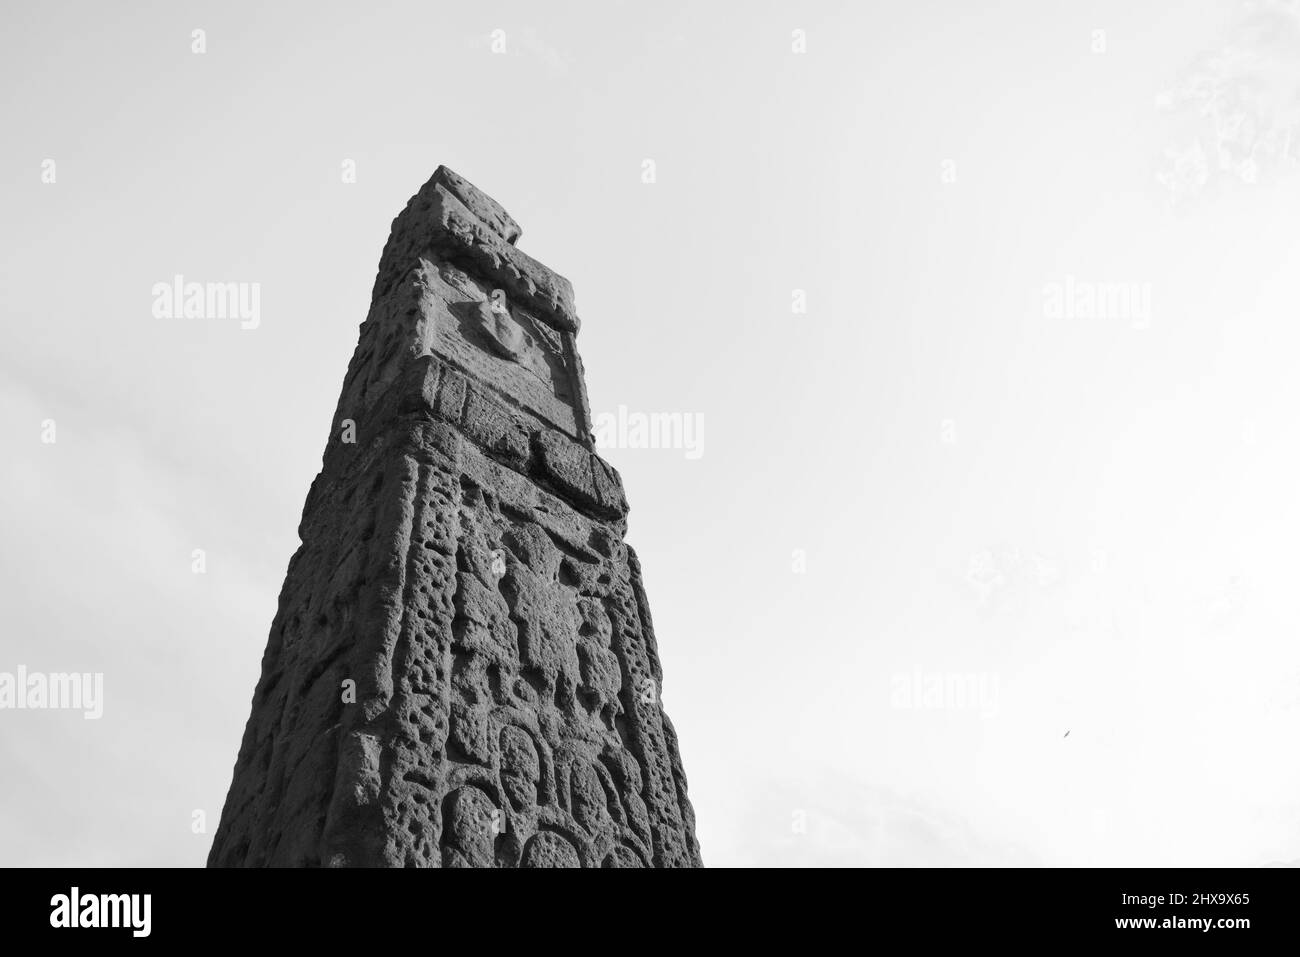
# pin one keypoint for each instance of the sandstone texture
(462, 671)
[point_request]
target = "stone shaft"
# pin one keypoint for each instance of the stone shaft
(462, 671)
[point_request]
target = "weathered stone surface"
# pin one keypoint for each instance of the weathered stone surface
(462, 671)
(483, 206)
(440, 222)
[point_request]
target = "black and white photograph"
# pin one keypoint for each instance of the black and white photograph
(855, 437)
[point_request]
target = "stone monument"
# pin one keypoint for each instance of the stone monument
(462, 671)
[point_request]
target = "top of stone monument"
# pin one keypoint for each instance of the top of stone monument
(452, 218)
(491, 213)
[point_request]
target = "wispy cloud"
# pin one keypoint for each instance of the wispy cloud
(1235, 111)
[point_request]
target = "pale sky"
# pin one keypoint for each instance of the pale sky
(929, 478)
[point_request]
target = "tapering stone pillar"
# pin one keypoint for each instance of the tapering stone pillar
(462, 671)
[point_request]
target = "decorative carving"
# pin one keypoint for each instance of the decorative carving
(469, 837)
(548, 849)
(520, 768)
(506, 337)
(623, 856)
